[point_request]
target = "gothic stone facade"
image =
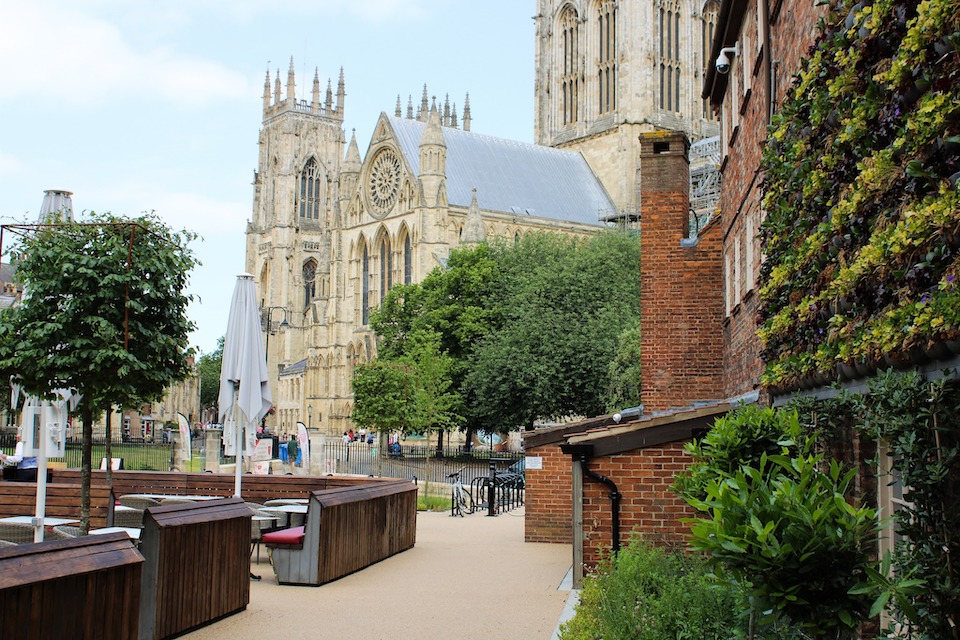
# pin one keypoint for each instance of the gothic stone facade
(331, 233)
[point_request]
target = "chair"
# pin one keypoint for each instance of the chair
(138, 502)
(257, 527)
(67, 531)
(128, 518)
(16, 532)
(56, 534)
(166, 502)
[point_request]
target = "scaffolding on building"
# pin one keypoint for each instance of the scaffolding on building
(704, 182)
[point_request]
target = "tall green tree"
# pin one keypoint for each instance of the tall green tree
(453, 303)
(208, 368)
(104, 313)
(564, 303)
(383, 396)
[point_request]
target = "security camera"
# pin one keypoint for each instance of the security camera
(723, 60)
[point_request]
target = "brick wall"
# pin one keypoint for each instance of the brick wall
(549, 497)
(680, 299)
(792, 30)
(648, 507)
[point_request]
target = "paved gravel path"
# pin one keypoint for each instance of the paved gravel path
(466, 578)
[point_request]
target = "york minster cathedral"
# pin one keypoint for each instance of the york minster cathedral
(333, 229)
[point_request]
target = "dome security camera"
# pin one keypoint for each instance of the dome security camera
(723, 60)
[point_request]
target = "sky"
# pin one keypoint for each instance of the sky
(138, 106)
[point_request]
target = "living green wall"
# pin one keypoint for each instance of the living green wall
(861, 235)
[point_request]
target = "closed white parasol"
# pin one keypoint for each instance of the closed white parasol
(244, 383)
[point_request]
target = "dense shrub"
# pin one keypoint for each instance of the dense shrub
(778, 524)
(648, 593)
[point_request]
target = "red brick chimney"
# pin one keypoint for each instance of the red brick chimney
(681, 279)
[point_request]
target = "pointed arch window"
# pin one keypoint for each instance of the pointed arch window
(386, 266)
(311, 194)
(607, 72)
(365, 286)
(569, 80)
(407, 260)
(669, 47)
(309, 282)
(707, 27)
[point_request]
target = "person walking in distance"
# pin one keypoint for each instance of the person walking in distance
(293, 450)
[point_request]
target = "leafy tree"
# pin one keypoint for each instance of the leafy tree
(623, 389)
(208, 369)
(382, 396)
(451, 303)
(104, 313)
(564, 303)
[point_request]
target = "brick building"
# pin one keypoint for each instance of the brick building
(700, 353)
(764, 41)
(595, 481)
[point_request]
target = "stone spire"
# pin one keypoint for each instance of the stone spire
(352, 163)
(399, 112)
(433, 162)
(466, 113)
(424, 112)
(409, 107)
(276, 88)
(453, 117)
(474, 230)
(291, 83)
(328, 101)
(446, 111)
(341, 95)
(316, 90)
(266, 93)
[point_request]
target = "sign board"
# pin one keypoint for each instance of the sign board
(533, 462)
(261, 467)
(263, 450)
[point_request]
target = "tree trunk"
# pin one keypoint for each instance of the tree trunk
(109, 446)
(86, 454)
(439, 443)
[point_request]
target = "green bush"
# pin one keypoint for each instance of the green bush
(777, 523)
(648, 593)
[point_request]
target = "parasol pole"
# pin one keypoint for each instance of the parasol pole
(238, 445)
(44, 409)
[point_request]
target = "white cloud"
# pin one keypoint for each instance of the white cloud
(58, 53)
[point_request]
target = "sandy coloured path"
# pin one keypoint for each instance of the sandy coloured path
(466, 578)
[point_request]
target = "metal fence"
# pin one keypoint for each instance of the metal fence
(420, 463)
(139, 456)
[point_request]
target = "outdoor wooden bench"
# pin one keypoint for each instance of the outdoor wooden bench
(347, 529)
(87, 587)
(197, 565)
(63, 501)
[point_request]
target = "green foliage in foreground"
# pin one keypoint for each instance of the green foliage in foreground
(647, 593)
(778, 522)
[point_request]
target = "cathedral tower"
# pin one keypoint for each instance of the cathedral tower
(295, 204)
(609, 70)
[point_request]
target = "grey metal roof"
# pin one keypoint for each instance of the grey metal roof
(510, 176)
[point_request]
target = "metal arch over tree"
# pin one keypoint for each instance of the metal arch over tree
(105, 314)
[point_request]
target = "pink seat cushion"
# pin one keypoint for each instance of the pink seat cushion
(293, 535)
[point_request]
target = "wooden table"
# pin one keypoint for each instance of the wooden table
(132, 532)
(47, 521)
(295, 512)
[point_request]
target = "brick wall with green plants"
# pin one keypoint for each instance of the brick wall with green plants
(862, 230)
(783, 523)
